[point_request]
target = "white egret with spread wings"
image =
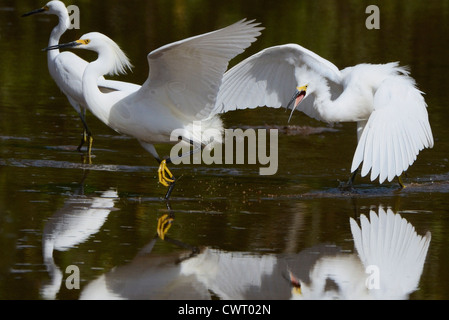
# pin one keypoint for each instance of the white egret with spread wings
(181, 88)
(390, 112)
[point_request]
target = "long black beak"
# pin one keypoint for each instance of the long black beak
(292, 99)
(34, 12)
(63, 45)
(296, 100)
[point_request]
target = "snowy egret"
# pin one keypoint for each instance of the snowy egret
(391, 114)
(184, 80)
(67, 69)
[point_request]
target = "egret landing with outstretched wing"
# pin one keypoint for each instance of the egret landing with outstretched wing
(390, 112)
(183, 81)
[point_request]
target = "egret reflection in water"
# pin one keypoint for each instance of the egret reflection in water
(388, 265)
(320, 272)
(79, 218)
(205, 275)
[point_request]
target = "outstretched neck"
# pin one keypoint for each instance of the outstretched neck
(57, 32)
(99, 103)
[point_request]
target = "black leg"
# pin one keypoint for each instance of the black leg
(87, 135)
(170, 189)
(348, 186)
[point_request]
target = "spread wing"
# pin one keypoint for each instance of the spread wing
(185, 76)
(397, 130)
(270, 77)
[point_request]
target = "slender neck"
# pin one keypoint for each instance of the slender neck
(57, 32)
(99, 103)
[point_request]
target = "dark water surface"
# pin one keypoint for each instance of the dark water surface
(57, 210)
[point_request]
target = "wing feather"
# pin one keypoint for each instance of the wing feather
(397, 130)
(269, 78)
(185, 76)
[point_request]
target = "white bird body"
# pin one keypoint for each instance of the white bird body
(184, 80)
(391, 115)
(179, 93)
(65, 68)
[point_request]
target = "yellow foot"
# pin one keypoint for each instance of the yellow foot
(89, 147)
(165, 176)
(87, 159)
(87, 137)
(163, 224)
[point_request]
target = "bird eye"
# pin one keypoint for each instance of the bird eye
(86, 41)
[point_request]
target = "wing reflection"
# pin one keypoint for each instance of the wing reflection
(79, 218)
(388, 265)
(387, 241)
(205, 275)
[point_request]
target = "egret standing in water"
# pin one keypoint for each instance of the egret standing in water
(390, 112)
(67, 69)
(182, 86)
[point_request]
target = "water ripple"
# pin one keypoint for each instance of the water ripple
(37, 163)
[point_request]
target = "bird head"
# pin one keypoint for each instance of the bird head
(101, 44)
(299, 95)
(296, 286)
(52, 7)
